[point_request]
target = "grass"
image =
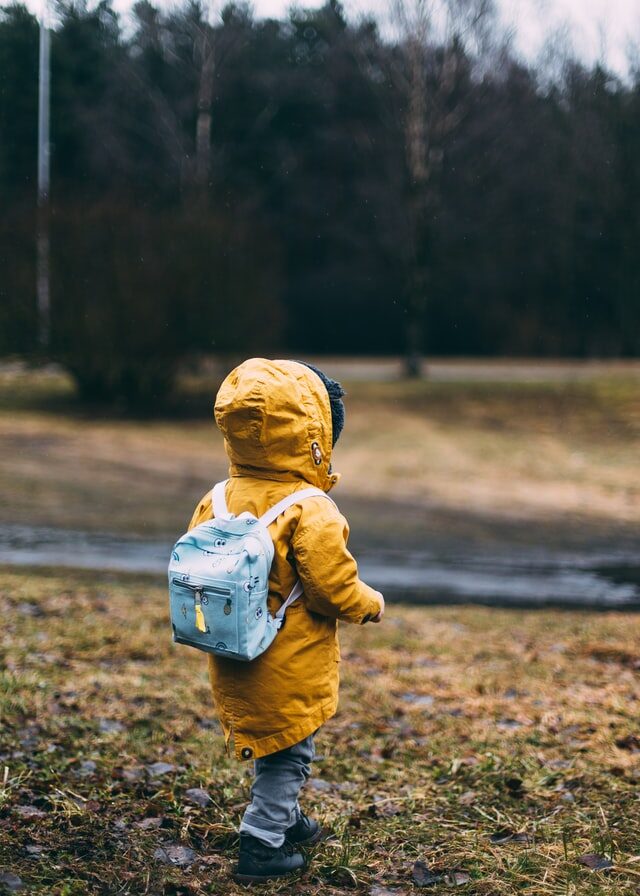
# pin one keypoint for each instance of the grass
(497, 747)
(539, 451)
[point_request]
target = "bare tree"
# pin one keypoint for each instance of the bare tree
(195, 42)
(437, 40)
(216, 36)
(206, 64)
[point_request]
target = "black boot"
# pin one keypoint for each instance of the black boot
(259, 862)
(305, 832)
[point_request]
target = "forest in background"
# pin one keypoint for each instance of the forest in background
(310, 185)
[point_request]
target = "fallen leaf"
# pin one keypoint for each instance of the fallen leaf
(150, 824)
(27, 609)
(383, 891)
(631, 742)
(173, 854)
(423, 877)
(216, 861)
(156, 769)
(596, 862)
(133, 774)
(573, 783)
(613, 655)
(110, 726)
(10, 881)
(384, 808)
(578, 730)
(90, 805)
(417, 699)
(501, 836)
(515, 785)
(320, 785)
(468, 798)
(457, 878)
(198, 796)
(207, 724)
(508, 724)
(29, 812)
(346, 786)
(180, 889)
(29, 736)
(560, 763)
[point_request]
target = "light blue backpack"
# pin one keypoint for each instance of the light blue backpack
(219, 581)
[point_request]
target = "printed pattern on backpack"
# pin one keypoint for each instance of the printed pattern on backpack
(219, 581)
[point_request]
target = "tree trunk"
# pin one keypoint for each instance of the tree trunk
(203, 122)
(417, 162)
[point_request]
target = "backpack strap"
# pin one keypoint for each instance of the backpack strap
(267, 518)
(296, 591)
(219, 501)
(294, 498)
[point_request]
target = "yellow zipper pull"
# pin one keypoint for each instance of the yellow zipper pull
(201, 625)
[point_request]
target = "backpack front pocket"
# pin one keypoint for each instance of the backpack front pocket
(205, 616)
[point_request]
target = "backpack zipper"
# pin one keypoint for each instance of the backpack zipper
(198, 591)
(201, 588)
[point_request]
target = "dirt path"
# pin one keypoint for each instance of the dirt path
(479, 370)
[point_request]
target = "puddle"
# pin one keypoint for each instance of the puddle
(42, 546)
(535, 577)
(522, 577)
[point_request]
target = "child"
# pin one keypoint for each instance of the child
(280, 420)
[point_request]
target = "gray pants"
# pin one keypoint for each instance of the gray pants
(274, 793)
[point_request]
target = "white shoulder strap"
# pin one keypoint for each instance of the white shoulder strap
(219, 501)
(294, 498)
(267, 518)
(220, 509)
(296, 591)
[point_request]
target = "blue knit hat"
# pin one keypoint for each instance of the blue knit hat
(335, 392)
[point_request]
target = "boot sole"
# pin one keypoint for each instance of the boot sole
(263, 878)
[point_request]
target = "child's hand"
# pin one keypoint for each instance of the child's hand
(378, 618)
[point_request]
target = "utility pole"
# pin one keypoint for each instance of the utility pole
(42, 237)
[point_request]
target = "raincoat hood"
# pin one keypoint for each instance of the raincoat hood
(276, 420)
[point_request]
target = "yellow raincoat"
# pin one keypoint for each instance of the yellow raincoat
(276, 420)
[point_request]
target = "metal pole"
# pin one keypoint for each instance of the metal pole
(42, 239)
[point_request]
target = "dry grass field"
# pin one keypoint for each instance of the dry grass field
(557, 448)
(497, 748)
